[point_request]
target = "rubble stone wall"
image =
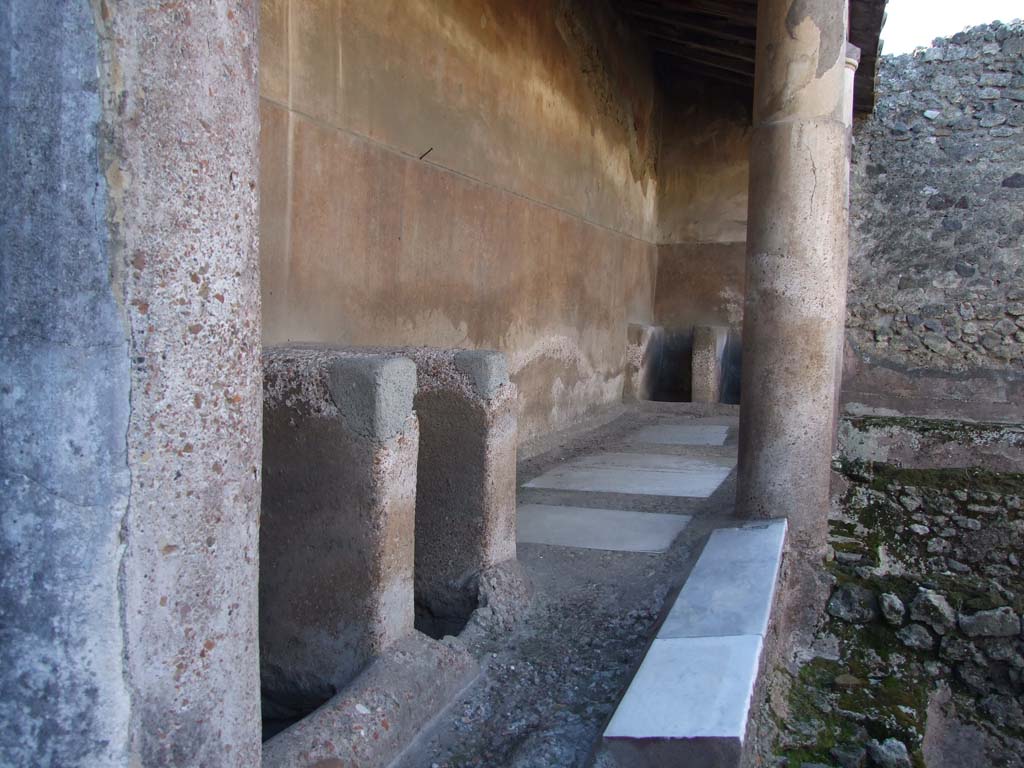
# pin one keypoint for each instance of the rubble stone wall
(937, 235)
(919, 656)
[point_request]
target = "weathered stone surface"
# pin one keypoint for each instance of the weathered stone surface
(936, 217)
(853, 603)
(1004, 710)
(336, 540)
(797, 243)
(607, 529)
(362, 243)
(381, 711)
(956, 648)
(731, 589)
(998, 622)
(129, 372)
(891, 753)
(644, 348)
(649, 474)
(64, 408)
(488, 370)
(977, 513)
(934, 610)
(706, 364)
(892, 608)
(660, 722)
(849, 756)
(916, 636)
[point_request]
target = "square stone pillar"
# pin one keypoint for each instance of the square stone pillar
(644, 349)
(709, 343)
(466, 479)
(336, 539)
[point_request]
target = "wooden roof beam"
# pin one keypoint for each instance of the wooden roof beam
(679, 66)
(730, 50)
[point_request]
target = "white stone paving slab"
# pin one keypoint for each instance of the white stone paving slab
(683, 434)
(609, 529)
(632, 481)
(659, 461)
(639, 473)
(690, 688)
(730, 590)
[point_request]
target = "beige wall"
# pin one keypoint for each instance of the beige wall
(702, 206)
(529, 224)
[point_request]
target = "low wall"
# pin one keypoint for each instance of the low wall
(919, 657)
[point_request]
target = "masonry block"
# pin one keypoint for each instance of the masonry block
(690, 701)
(466, 492)
(644, 348)
(706, 370)
(338, 510)
(381, 712)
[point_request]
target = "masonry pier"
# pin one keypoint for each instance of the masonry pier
(336, 544)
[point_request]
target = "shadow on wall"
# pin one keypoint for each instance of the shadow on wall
(672, 369)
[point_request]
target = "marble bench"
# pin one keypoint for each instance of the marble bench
(689, 701)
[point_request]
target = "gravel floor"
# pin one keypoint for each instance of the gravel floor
(552, 677)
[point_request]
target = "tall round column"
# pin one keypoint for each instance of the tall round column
(181, 121)
(796, 265)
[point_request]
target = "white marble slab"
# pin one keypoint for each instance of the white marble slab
(657, 461)
(753, 540)
(608, 529)
(639, 473)
(683, 434)
(690, 688)
(730, 590)
(689, 701)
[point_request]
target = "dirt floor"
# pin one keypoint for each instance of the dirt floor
(552, 677)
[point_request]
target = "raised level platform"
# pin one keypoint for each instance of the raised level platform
(688, 703)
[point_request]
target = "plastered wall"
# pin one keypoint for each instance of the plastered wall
(471, 174)
(702, 206)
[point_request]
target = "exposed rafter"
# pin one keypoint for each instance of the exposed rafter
(716, 39)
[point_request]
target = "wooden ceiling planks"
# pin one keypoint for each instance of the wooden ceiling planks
(716, 39)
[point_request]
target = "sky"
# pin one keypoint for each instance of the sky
(914, 23)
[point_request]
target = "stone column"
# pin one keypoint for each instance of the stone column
(796, 257)
(849, 82)
(130, 391)
(181, 114)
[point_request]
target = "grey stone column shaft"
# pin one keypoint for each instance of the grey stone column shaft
(796, 265)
